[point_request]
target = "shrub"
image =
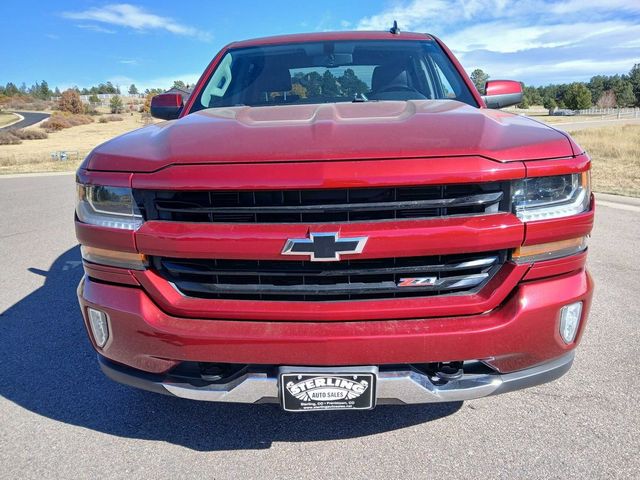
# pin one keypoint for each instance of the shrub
(110, 118)
(70, 102)
(29, 134)
(116, 104)
(55, 123)
(8, 138)
(58, 121)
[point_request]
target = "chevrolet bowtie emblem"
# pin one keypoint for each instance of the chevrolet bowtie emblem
(324, 247)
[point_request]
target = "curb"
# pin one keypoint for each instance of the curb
(620, 199)
(41, 174)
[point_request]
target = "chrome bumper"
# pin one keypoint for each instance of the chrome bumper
(393, 387)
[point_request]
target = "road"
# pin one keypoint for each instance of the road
(29, 118)
(60, 418)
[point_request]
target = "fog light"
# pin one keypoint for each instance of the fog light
(99, 326)
(569, 321)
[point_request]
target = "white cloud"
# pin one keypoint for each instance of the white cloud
(94, 28)
(541, 41)
(131, 16)
(128, 61)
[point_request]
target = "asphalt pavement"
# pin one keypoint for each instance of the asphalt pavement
(28, 119)
(60, 418)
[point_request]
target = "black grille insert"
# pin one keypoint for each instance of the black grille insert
(328, 205)
(345, 280)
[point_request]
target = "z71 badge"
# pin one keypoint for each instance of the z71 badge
(417, 282)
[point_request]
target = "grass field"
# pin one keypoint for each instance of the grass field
(6, 118)
(615, 156)
(552, 119)
(35, 155)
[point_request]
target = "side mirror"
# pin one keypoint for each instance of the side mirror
(502, 93)
(166, 106)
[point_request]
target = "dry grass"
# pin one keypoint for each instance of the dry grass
(543, 116)
(110, 118)
(8, 138)
(29, 134)
(7, 118)
(35, 156)
(615, 155)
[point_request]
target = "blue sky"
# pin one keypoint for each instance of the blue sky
(152, 43)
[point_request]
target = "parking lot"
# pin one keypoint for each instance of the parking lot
(60, 418)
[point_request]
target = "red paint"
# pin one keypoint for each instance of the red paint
(172, 100)
(502, 87)
(406, 238)
(489, 298)
(520, 333)
(110, 274)
(330, 132)
(511, 322)
(338, 174)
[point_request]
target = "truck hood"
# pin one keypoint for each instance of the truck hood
(342, 131)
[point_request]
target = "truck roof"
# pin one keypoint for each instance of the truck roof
(320, 36)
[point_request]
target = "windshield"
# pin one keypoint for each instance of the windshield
(333, 71)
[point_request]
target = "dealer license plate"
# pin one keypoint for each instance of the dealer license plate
(304, 390)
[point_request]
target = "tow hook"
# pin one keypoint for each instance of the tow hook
(449, 371)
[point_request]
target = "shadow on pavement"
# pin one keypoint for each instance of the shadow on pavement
(48, 367)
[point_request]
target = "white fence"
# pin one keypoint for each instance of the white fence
(606, 112)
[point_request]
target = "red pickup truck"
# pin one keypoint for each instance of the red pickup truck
(335, 221)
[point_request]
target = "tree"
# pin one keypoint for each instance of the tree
(634, 79)
(577, 97)
(153, 91)
(607, 99)
(479, 79)
(10, 90)
(524, 104)
(597, 85)
(108, 88)
(329, 85)
(146, 108)
(350, 84)
(179, 84)
(116, 104)
(133, 90)
(70, 102)
(93, 99)
(299, 90)
(56, 92)
(550, 104)
(45, 91)
(532, 96)
(624, 93)
(311, 81)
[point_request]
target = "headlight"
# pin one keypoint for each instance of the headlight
(542, 198)
(112, 207)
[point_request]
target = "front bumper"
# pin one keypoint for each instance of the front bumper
(521, 333)
(402, 386)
